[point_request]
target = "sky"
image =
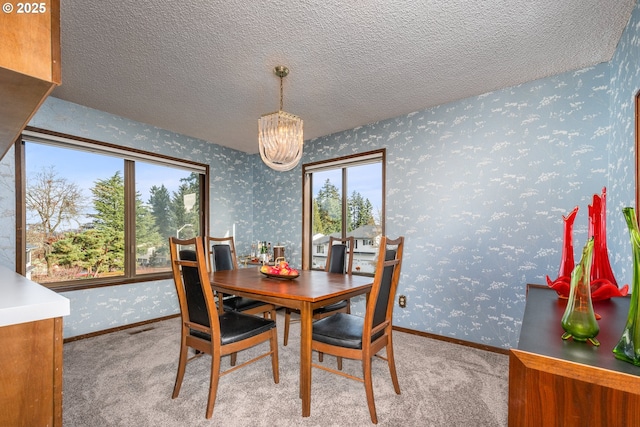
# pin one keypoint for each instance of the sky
(365, 179)
(85, 168)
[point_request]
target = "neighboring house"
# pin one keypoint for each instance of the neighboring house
(29, 266)
(366, 240)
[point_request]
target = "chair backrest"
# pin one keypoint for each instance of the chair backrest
(340, 256)
(195, 296)
(221, 253)
(385, 283)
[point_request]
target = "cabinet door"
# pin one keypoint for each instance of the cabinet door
(31, 374)
(30, 32)
(29, 63)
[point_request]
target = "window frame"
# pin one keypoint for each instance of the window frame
(375, 156)
(129, 157)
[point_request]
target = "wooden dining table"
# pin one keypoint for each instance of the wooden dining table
(312, 289)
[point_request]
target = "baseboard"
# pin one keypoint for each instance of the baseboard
(395, 328)
(453, 340)
(119, 328)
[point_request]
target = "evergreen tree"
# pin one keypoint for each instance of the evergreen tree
(108, 202)
(318, 223)
(330, 207)
(88, 251)
(360, 211)
(147, 236)
(180, 215)
(160, 202)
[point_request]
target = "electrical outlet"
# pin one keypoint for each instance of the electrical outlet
(402, 301)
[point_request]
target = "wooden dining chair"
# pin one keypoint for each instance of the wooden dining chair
(339, 260)
(221, 256)
(354, 337)
(204, 328)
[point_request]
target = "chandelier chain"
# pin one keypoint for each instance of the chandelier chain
(281, 92)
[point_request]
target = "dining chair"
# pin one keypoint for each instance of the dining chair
(354, 337)
(221, 256)
(339, 260)
(205, 329)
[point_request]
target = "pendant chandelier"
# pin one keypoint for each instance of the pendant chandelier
(280, 135)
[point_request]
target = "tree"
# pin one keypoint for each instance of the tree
(360, 211)
(55, 201)
(147, 236)
(160, 202)
(329, 208)
(318, 224)
(108, 202)
(327, 211)
(88, 251)
(180, 215)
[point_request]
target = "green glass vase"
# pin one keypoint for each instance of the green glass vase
(628, 348)
(579, 321)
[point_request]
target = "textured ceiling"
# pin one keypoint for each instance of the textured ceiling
(205, 68)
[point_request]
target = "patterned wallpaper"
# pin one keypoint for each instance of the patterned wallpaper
(230, 203)
(625, 84)
(478, 187)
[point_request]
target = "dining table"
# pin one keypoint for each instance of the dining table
(310, 290)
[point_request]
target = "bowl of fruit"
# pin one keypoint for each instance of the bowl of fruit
(280, 270)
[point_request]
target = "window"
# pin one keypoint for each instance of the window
(344, 197)
(97, 214)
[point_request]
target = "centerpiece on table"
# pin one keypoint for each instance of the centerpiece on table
(280, 270)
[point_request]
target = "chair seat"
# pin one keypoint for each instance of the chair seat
(237, 327)
(332, 307)
(236, 303)
(341, 329)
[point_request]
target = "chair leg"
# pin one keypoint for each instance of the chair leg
(392, 366)
(368, 387)
(274, 356)
(182, 363)
(339, 363)
(320, 356)
(234, 357)
(213, 384)
(287, 320)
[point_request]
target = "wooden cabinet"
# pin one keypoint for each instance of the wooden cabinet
(30, 352)
(29, 63)
(31, 378)
(553, 382)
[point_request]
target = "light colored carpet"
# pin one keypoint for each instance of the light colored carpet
(126, 378)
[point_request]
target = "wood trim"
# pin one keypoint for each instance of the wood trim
(56, 61)
(637, 150)
(307, 188)
(550, 392)
(307, 250)
(492, 349)
(21, 238)
(120, 328)
(57, 371)
(130, 276)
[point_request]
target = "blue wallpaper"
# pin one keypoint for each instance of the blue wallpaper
(230, 201)
(478, 187)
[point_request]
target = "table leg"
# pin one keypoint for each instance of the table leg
(306, 322)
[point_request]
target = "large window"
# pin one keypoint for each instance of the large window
(96, 214)
(344, 197)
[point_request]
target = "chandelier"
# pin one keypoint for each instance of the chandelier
(280, 135)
